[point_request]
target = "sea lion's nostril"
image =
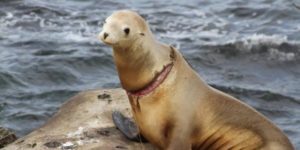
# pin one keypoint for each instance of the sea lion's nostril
(105, 35)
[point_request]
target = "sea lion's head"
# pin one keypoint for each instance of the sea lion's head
(123, 28)
(139, 58)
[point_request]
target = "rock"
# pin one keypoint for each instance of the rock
(52, 144)
(6, 137)
(83, 123)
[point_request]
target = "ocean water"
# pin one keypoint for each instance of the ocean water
(49, 52)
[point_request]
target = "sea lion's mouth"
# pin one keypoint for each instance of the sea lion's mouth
(108, 43)
(157, 80)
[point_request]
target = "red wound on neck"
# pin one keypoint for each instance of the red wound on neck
(154, 84)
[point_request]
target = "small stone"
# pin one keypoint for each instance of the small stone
(103, 132)
(53, 144)
(121, 147)
(20, 141)
(33, 145)
(103, 96)
(90, 134)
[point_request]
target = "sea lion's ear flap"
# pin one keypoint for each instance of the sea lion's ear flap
(142, 34)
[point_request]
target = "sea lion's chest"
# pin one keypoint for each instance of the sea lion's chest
(152, 118)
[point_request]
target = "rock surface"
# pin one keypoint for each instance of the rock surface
(83, 123)
(6, 137)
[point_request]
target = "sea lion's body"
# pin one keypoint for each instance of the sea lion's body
(181, 111)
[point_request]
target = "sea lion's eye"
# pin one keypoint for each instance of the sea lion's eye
(126, 30)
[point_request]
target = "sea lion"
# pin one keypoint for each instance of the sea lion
(172, 106)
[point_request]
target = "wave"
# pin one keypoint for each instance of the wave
(55, 94)
(261, 96)
(53, 52)
(8, 80)
(275, 47)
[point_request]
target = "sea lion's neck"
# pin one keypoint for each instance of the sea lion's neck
(134, 54)
(138, 64)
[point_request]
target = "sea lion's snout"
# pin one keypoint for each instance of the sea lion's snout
(102, 36)
(105, 38)
(110, 33)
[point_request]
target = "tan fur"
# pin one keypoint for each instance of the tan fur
(183, 112)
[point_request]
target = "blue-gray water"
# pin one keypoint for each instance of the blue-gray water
(49, 52)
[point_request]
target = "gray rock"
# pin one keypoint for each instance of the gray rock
(6, 137)
(85, 120)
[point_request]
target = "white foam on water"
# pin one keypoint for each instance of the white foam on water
(199, 13)
(9, 15)
(256, 39)
(79, 37)
(76, 31)
(220, 22)
(42, 23)
(275, 54)
(248, 43)
(260, 43)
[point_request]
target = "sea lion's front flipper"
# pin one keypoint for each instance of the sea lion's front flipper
(127, 127)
